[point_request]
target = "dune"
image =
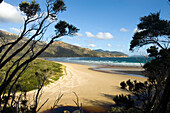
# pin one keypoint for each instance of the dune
(93, 88)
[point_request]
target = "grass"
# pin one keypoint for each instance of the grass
(35, 73)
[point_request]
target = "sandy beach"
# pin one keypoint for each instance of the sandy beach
(94, 88)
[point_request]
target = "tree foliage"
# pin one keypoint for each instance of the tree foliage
(30, 9)
(34, 27)
(142, 98)
(152, 30)
(153, 95)
(156, 31)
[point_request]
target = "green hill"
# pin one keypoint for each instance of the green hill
(59, 48)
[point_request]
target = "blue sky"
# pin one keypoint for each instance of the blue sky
(103, 24)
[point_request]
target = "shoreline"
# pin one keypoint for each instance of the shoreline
(125, 70)
(94, 89)
(103, 61)
(114, 69)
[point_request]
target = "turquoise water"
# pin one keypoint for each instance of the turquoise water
(118, 61)
(102, 63)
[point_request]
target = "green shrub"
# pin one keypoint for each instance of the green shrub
(35, 73)
(130, 84)
(125, 101)
(123, 85)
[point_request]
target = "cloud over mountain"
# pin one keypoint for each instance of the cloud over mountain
(109, 45)
(15, 30)
(9, 13)
(100, 35)
(92, 45)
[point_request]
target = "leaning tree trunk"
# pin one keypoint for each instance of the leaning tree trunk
(166, 95)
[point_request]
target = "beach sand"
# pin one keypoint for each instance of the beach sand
(95, 89)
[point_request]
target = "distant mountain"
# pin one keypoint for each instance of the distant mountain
(58, 48)
(114, 52)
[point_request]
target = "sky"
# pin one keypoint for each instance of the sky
(103, 24)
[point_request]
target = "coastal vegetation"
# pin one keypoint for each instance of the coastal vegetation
(21, 71)
(18, 54)
(152, 96)
(35, 72)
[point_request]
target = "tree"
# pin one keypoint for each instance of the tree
(153, 95)
(155, 31)
(142, 98)
(34, 27)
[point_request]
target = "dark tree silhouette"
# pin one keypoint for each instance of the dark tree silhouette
(36, 21)
(1, 1)
(153, 95)
(156, 31)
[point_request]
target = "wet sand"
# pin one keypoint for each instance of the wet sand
(128, 70)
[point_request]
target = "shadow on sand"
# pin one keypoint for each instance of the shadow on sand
(98, 106)
(86, 109)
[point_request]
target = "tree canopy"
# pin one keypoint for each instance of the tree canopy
(153, 95)
(35, 25)
(152, 30)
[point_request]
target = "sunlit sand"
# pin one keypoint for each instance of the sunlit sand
(92, 87)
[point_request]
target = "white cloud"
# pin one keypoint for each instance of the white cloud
(91, 45)
(137, 30)
(106, 36)
(15, 30)
(78, 34)
(76, 44)
(109, 45)
(123, 30)
(9, 13)
(100, 35)
(88, 34)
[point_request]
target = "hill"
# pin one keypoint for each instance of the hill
(114, 52)
(59, 48)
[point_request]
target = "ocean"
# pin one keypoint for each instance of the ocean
(109, 64)
(98, 61)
